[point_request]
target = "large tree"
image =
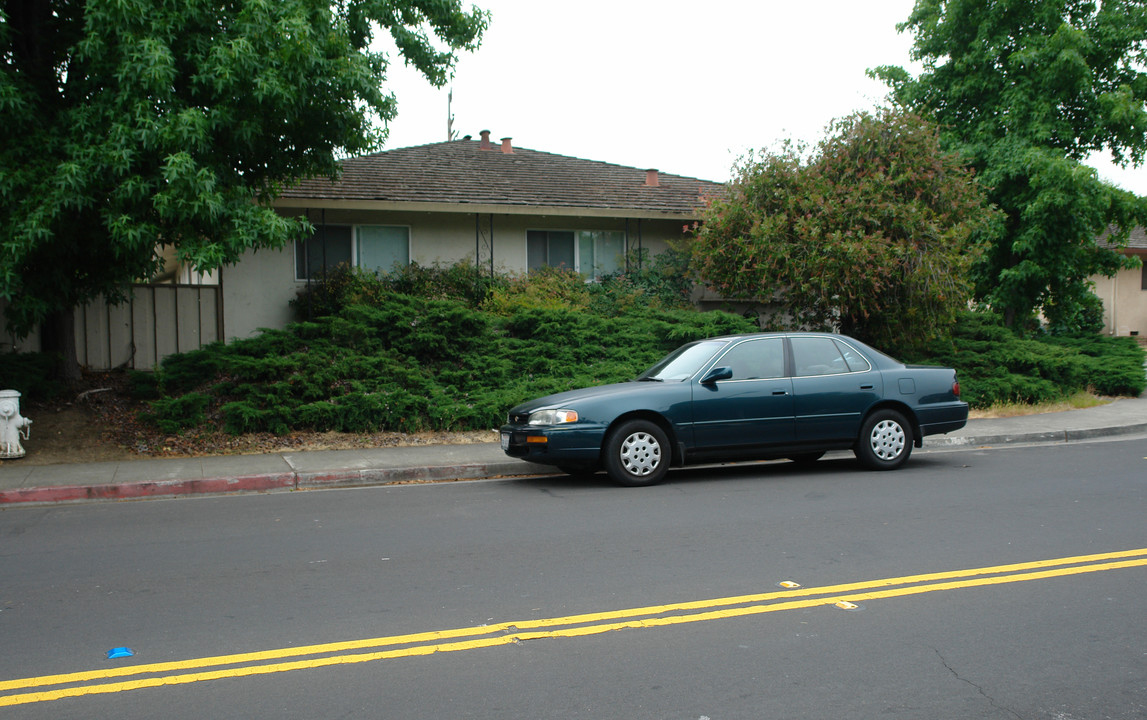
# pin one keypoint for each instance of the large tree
(1025, 90)
(134, 123)
(873, 232)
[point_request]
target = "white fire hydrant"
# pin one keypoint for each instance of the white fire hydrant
(12, 425)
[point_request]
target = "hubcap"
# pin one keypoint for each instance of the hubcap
(640, 454)
(887, 440)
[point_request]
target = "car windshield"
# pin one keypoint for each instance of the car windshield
(684, 362)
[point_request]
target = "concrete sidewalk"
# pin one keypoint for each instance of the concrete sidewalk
(380, 466)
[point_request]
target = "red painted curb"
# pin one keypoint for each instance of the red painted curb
(158, 488)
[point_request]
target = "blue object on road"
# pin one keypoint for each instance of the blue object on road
(120, 652)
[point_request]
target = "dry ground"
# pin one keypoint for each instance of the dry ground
(98, 423)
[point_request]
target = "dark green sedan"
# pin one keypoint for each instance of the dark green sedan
(742, 397)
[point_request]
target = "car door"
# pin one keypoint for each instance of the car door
(750, 409)
(833, 386)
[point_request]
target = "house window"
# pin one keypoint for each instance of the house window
(328, 247)
(381, 247)
(601, 252)
(1143, 282)
(549, 248)
(373, 247)
(593, 253)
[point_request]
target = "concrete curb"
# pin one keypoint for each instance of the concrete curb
(410, 475)
(1048, 436)
(149, 489)
(268, 482)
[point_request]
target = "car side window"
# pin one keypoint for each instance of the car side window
(855, 361)
(756, 359)
(817, 356)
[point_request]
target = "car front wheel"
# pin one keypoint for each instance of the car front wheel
(885, 441)
(637, 454)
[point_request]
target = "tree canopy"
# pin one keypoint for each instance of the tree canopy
(1025, 90)
(873, 233)
(134, 123)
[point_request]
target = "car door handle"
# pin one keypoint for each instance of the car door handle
(867, 387)
(780, 392)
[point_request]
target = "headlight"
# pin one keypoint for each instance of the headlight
(553, 417)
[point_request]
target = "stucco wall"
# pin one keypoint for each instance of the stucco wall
(450, 237)
(258, 290)
(1124, 301)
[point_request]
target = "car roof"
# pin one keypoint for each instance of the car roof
(782, 333)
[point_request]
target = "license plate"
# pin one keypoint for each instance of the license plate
(505, 441)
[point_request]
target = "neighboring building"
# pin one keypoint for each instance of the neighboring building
(1125, 295)
(506, 209)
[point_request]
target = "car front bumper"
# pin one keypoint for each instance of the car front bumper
(553, 445)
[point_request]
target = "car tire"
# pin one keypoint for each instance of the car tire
(885, 441)
(637, 454)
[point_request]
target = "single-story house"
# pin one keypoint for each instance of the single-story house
(1125, 295)
(506, 209)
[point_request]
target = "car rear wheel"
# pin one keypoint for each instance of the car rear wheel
(885, 440)
(637, 454)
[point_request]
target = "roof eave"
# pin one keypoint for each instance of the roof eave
(482, 208)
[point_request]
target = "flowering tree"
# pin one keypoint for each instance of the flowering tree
(874, 233)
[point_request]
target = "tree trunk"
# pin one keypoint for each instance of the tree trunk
(58, 335)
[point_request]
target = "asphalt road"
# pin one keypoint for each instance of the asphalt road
(1008, 583)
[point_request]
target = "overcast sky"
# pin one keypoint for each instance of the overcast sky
(685, 87)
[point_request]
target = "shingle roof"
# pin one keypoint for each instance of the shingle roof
(1136, 241)
(461, 173)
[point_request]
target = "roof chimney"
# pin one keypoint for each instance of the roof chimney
(651, 179)
(506, 148)
(485, 143)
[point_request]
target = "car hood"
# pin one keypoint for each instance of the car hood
(582, 395)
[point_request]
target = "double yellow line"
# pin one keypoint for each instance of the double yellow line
(136, 677)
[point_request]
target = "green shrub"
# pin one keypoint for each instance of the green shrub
(544, 289)
(340, 287)
(997, 365)
(30, 374)
(406, 363)
(412, 364)
(462, 281)
(175, 414)
(663, 281)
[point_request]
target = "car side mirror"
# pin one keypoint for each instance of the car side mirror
(717, 373)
